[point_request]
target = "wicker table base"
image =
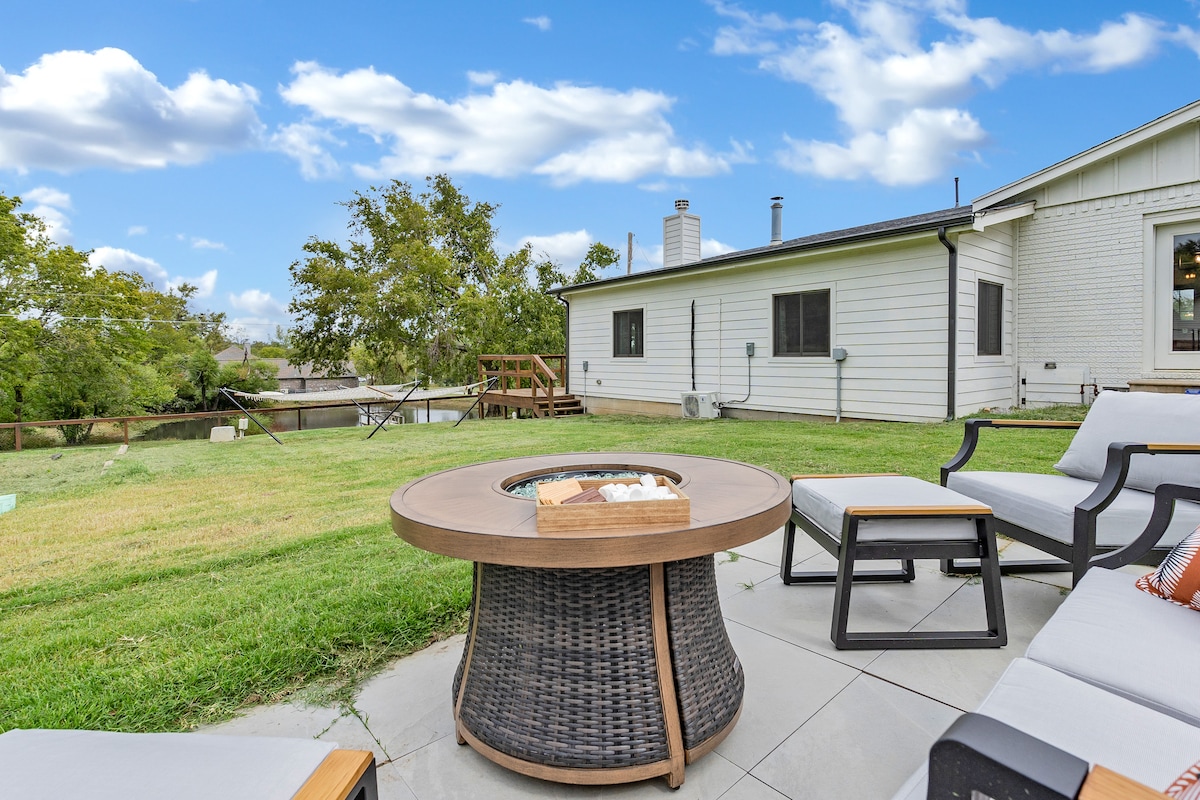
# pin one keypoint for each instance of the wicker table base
(595, 676)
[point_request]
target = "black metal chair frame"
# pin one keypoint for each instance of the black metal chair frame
(1071, 557)
(848, 550)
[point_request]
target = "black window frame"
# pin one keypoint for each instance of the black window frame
(635, 345)
(989, 318)
(780, 341)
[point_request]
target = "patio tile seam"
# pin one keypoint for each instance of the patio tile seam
(362, 718)
(825, 656)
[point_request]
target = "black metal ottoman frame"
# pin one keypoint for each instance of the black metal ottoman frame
(849, 550)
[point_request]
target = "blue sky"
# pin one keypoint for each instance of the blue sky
(206, 141)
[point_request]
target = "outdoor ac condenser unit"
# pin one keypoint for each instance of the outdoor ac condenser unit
(699, 405)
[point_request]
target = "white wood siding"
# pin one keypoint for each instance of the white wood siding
(888, 304)
(985, 381)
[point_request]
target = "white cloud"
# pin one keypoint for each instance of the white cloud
(303, 142)
(258, 303)
(901, 98)
(51, 206)
(712, 247)
(911, 152)
(205, 284)
(205, 244)
(137, 230)
(542, 23)
(118, 259)
(482, 78)
(567, 248)
(74, 109)
(566, 132)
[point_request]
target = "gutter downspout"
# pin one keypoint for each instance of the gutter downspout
(566, 343)
(951, 324)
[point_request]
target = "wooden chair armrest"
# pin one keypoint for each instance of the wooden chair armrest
(340, 774)
(1104, 784)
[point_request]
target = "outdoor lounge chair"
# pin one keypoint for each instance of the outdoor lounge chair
(100, 765)
(1129, 444)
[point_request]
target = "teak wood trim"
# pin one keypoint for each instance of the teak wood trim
(1033, 423)
(918, 511)
(1104, 784)
(575, 775)
(1189, 448)
(847, 475)
(666, 675)
(336, 775)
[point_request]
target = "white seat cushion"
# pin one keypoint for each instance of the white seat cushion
(129, 766)
(825, 500)
(1046, 504)
(1087, 722)
(1110, 633)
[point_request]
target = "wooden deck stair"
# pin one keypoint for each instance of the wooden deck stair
(528, 382)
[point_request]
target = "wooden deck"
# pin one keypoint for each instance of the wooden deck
(536, 401)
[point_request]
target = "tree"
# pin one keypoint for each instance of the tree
(421, 289)
(77, 340)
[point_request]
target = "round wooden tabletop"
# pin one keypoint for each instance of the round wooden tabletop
(467, 513)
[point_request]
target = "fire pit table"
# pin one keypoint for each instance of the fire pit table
(593, 656)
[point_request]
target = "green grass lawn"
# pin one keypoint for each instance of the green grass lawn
(189, 579)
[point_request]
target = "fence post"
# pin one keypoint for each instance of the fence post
(17, 431)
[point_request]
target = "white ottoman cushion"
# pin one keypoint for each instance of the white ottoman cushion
(825, 500)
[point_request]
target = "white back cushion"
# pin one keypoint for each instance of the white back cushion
(1146, 417)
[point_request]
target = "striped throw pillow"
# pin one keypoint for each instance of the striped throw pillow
(1178, 576)
(1187, 786)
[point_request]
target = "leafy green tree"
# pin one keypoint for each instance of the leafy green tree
(420, 288)
(79, 341)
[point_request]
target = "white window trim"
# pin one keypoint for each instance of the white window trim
(1158, 233)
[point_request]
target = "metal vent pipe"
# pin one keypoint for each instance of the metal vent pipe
(776, 221)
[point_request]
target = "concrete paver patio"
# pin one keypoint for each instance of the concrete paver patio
(816, 723)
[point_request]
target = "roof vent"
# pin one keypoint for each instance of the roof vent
(681, 205)
(776, 221)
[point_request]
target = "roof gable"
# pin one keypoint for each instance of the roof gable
(1130, 162)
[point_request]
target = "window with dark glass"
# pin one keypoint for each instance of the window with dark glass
(989, 315)
(802, 324)
(1185, 288)
(627, 333)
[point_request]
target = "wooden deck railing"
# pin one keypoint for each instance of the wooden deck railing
(528, 371)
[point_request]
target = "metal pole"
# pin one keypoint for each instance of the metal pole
(229, 396)
(388, 415)
(491, 382)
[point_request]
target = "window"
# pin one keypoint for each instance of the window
(627, 333)
(802, 324)
(1185, 264)
(989, 318)
(1173, 290)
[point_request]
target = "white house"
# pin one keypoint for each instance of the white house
(1078, 277)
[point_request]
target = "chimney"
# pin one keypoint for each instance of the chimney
(776, 221)
(681, 237)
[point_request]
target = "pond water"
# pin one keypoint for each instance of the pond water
(304, 419)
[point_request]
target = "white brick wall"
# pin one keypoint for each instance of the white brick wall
(1080, 278)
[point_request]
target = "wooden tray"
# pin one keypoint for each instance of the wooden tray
(605, 516)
